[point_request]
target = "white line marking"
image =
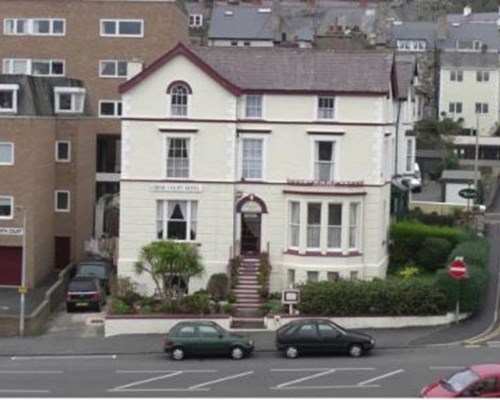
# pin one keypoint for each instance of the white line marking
(329, 371)
(23, 391)
(69, 357)
(319, 369)
(226, 378)
(156, 378)
(31, 372)
(398, 371)
(326, 387)
(150, 371)
(446, 367)
(162, 390)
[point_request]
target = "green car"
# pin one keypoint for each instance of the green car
(205, 338)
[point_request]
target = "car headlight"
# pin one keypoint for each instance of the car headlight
(372, 341)
(250, 342)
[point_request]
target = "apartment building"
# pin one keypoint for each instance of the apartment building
(93, 41)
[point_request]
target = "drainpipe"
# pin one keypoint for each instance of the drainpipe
(396, 150)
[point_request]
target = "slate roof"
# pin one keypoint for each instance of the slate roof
(36, 93)
(486, 17)
(300, 69)
(406, 68)
(488, 34)
(414, 31)
(246, 69)
(245, 22)
(467, 59)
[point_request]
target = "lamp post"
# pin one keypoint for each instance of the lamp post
(22, 289)
(476, 156)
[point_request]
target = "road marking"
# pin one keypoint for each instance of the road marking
(398, 371)
(31, 372)
(326, 387)
(320, 369)
(156, 378)
(446, 367)
(24, 391)
(305, 378)
(150, 371)
(162, 390)
(226, 378)
(493, 344)
(69, 357)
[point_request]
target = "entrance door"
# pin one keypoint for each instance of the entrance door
(250, 232)
(62, 248)
(11, 259)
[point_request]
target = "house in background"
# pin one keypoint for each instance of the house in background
(47, 158)
(92, 41)
(294, 157)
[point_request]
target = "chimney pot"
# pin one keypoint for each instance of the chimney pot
(467, 11)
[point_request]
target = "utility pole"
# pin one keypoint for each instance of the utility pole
(476, 156)
(22, 289)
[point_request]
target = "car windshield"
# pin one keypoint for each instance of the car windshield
(81, 286)
(459, 381)
(92, 269)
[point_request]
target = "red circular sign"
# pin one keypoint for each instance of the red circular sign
(457, 268)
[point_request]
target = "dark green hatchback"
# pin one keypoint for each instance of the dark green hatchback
(205, 338)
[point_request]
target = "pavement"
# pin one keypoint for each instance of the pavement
(83, 333)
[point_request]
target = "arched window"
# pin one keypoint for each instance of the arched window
(179, 92)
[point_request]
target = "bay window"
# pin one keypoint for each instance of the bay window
(177, 219)
(313, 225)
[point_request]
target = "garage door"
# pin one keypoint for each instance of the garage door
(10, 265)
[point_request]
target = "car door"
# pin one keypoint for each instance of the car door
(211, 341)
(486, 387)
(306, 338)
(332, 339)
(185, 336)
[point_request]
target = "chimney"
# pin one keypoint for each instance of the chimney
(467, 11)
(134, 67)
(276, 21)
(441, 27)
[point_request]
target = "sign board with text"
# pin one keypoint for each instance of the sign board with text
(11, 231)
(290, 296)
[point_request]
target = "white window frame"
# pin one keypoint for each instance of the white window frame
(56, 151)
(482, 76)
(8, 66)
(321, 110)
(13, 88)
(293, 226)
(313, 226)
(335, 155)
(77, 107)
(12, 146)
(411, 45)
(29, 27)
(195, 20)
(409, 154)
(263, 140)
(334, 227)
(453, 107)
(483, 108)
(456, 75)
(310, 274)
(115, 66)
(190, 139)
(188, 101)
(117, 108)
(354, 227)
(257, 109)
(117, 23)
(11, 200)
(162, 219)
(56, 202)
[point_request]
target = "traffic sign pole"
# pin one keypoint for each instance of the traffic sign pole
(458, 270)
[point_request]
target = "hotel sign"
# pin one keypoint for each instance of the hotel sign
(11, 231)
(176, 187)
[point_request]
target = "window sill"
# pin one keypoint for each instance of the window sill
(318, 253)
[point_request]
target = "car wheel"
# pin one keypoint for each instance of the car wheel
(237, 353)
(177, 353)
(291, 352)
(355, 350)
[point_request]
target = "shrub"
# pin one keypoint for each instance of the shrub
(231, 297)
(409, 271)
(124, 289)
(433, 253)
(434, 218)
(218, 286)
(228, 308)
(234, 266)
(196, 303)
(263, 274)
(120, 306)
(475, 252)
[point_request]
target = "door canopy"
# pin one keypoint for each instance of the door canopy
(251, 203)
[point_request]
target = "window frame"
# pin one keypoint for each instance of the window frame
(338, 227)
(320, 110)
(315, 140)
(410, 146)
(56, 151)
(195, 20)
(13, 88)
(162, 221)
(481, 108)
(170, 96)
(354, 240)
(117, 34)
(258, 109)
(455, 107)
(11, 200)
(482, 76)
(190, 141)
(293, 227)
(8, 66)
(74, 91)
(317, 226)
(117, 108)
(115, 63)
(56, 201)
(456, 75)
(30, 27)
(263, 140)
(12, 154)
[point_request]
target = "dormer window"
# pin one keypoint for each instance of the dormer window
(325, 108)
(468, 45)
(8, 98)
(195, 20)
(69, 99)
(179, 93)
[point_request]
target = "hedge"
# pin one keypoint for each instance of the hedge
(475, 252)
(377, 297)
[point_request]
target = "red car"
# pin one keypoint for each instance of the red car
(475, 381)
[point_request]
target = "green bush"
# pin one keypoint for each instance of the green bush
(407, 238)
(228, 308)
(475, 252)
(433, 218)
(218, 286)
(196, 303)
(120, 306)
(433, 253)
(263, 274)
(377, 297)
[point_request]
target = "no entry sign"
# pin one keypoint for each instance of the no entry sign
(458, 268)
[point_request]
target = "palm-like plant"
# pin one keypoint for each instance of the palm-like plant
(163, 261)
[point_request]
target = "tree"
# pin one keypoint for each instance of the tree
(166, 262)
(437, 134)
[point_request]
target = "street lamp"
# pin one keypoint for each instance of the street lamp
(476, 156)
(22, 289)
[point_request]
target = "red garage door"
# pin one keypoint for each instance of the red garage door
(11, 259)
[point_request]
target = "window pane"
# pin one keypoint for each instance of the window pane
(334, 225)
(57, 68)
(65, 101)
(107, 108)
(41, 26)
(109, 27)
(324, 162)
(5, 153)
(294, 223)
(62, 151)
(312, 276)
(108, 68)
(62, 201)
(252, 158)
(122, 68)
(5, 207)
(19, 67)
(41, 68)
(6, 100)
(130, 28)
(313, 224)
(178, 158)
(58, 26)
